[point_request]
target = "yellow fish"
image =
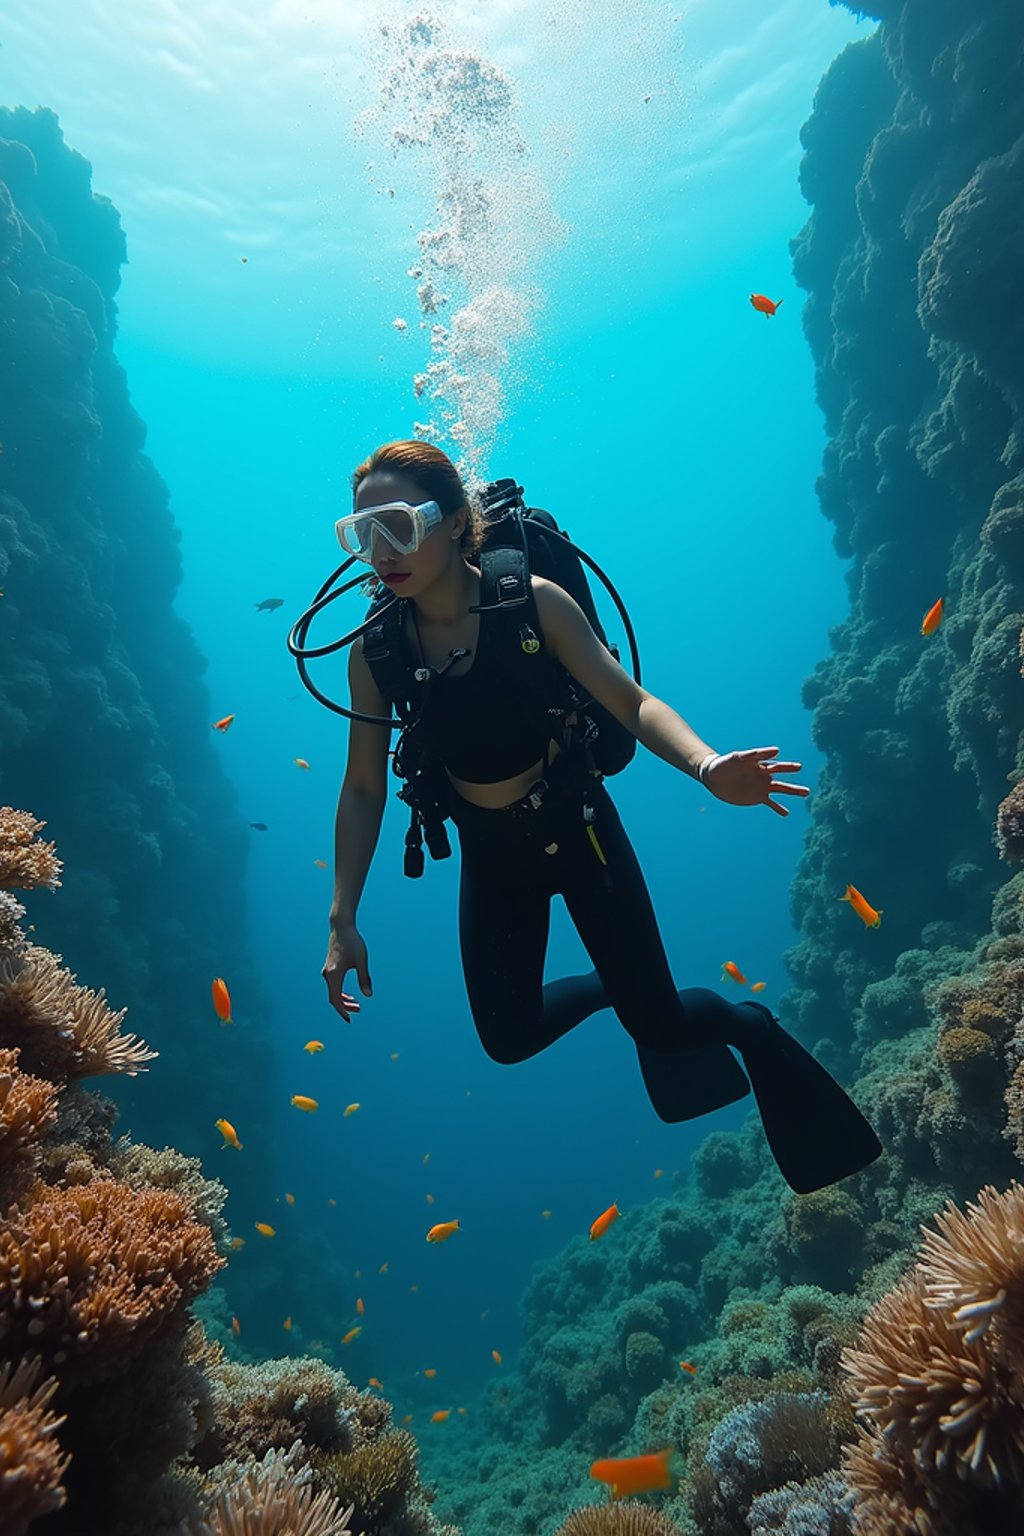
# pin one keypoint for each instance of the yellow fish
(302, 1102)
(546, 1215)
(265, 1228)
(229, 1133)
(287, 1325)
(758, 986)
(863, 908)
(312, 1046)
(442, 1231)
(237, 1242)
(350, 1109)
(289, 1198)
(300, 762)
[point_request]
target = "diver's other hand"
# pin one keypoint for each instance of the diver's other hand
(346, 952)
(748, 778)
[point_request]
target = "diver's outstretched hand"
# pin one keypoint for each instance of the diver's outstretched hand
(747, 778)
(346, 952)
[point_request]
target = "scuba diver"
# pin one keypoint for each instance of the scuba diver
(515, 760)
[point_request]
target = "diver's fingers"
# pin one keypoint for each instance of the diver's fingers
(350, 1002)
(789, 789)
(778, 809)
(759, 752)
(782, 767)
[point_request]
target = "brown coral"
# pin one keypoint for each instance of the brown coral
(274, 1499)
(376, 1478)
(25, 863)
(1010, 825)
(31, 1461)
(28, 1107)
(618, 1520)
(936, 1379)
(973, 1268)
(91, 1273)
(64, 1031)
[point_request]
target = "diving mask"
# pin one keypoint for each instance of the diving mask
(403, 526)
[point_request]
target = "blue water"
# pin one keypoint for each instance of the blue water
(668, 426)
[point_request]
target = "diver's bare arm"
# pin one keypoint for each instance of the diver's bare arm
(356, 829)
(668, 736)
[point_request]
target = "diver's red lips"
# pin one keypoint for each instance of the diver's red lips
(395, 578)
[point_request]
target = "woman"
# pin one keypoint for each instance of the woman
(516, 800)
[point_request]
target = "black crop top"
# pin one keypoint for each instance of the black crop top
(479, 729)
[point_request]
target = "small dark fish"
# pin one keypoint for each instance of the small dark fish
(260, 826)
(269, 604)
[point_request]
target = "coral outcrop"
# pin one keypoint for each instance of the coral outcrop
(116, 1411)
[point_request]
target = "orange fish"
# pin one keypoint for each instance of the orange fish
(442, 1231)
(932, 619)
(301, 1101)
(300, 762)
(236, 1327)
(350, 1109)
(439, 1415)
(313, 1046)
(407, 1419)
(730, 968)
(764, 305)
(265, 1228)
(604, 1221)
(758, 986)
(495, 1357)
(229, 1133)
(360, 1308)
(287, 1325)
(289, 1198)
(222, 725)
(237, 1242)
(320, 863)
(546, 1215)
(863, 908)
(430, 1199)
(431, 1371)
(684, 1365)
(658, 1172)
(373, 1382)
(221, 999)
(353, 1333)
(627, 1475)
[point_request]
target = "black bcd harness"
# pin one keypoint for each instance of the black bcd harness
(520, 542)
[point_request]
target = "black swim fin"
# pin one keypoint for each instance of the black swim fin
(815, 1130)
(684, 1084)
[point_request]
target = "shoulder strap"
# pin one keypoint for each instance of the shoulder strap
(384, 654)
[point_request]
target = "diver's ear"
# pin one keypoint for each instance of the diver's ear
(459, 524)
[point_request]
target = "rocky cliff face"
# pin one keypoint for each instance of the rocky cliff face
(104, 719)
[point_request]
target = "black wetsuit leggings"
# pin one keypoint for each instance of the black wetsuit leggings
(513, 861)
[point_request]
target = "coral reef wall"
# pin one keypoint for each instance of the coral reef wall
(911, 259)
(104, 719)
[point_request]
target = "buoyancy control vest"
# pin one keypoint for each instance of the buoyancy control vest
(519, 542)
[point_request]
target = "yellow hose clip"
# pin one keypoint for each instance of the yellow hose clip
(528, 640)
(597, 846)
